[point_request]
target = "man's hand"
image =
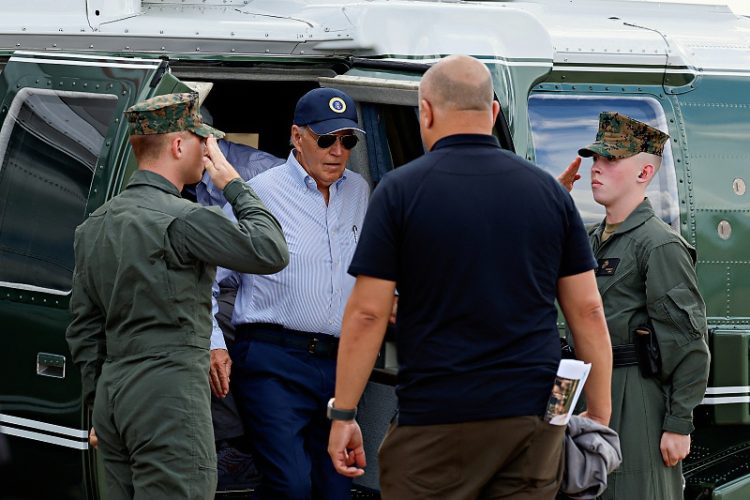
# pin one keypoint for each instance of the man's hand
(218, 375)
(674, 447)
(217, 166)
(346, 449)
(570, 175)
(93, 440)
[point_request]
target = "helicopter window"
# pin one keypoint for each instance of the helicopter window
(561, 124)
(392, 137)
(49, 146)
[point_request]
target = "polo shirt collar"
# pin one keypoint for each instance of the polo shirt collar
(149, 178)
(466, 140)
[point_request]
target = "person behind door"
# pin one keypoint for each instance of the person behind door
(141, 302)
(480, 244)
(646, 276)
(287, 324)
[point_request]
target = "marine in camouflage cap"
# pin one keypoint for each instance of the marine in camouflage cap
(169, 113)
(620, 136)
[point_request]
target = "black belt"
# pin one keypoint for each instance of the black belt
(317, 344)
(624, 355)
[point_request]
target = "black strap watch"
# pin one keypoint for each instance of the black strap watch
(338, 414)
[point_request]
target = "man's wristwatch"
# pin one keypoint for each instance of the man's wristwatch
(338, 414)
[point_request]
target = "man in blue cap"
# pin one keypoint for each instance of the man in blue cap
(288, 324)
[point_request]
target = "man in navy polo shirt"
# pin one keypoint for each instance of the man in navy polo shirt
(480, 243)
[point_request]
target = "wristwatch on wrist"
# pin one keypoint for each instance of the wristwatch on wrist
(338, 414)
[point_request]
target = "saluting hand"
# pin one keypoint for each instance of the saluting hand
(217, 166)
(218, 374)
(570, 175)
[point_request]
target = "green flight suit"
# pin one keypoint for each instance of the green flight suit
(141, 324)
(646, 271)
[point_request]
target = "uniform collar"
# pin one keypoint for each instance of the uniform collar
(465, 140)
(148, 178)
(300, 175)
(637, 217)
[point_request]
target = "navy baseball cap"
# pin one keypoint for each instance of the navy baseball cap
(326, 111)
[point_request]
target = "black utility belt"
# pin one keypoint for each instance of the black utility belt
(316, 344)
(624, 355)
(644, 352)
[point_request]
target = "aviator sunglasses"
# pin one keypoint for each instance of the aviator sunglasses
(325, 141)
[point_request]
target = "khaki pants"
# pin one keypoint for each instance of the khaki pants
(508, 458)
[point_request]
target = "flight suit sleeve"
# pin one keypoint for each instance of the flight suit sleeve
(86, 337)
(254, 243)
(678, 316)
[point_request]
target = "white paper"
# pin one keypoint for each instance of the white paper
(569, 382)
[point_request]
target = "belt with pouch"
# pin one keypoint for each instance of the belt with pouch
(317, 344)
(624, 355)
(644, 353)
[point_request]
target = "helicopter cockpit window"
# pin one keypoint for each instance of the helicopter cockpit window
(561, 124)
(49, 145)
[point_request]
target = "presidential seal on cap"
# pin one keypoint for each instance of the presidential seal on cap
(620, 136)
(326, 111)
(169, 113)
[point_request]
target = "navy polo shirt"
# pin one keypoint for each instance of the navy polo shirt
(476, 239)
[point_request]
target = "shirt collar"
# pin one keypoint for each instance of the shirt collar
(149, 178)
(637, 217)
(466, 140)
(299, 173)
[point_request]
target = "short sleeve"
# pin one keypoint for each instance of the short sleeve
(377, 249)
(577, 255)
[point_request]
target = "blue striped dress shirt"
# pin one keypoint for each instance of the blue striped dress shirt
(311, 292)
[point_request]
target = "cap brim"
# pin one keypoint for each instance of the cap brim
(206, 131)
(596, 148)
(335, 125)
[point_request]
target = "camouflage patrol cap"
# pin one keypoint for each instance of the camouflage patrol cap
(169, 113)
(620, 136)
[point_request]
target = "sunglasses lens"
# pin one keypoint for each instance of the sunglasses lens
(349, 141)
(326, 141)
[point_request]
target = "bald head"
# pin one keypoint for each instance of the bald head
(458, 83)
(455, 97)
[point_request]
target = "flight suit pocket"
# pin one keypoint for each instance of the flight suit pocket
(685, 310)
